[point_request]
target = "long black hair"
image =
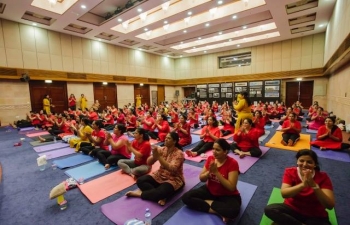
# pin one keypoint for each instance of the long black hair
(143, 132)
(176, 138)
(246, 97)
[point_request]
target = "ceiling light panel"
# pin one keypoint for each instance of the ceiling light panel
(60, 7)
(248, 31)
(236, 42)
(157, 14)
(203, 18)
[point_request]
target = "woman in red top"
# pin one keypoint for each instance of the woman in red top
(72, 102)
(108, 120)
(120, 117)
(118, 151)
(307, 192)
(259, 122)
(329, 136)
(193, 118)
(163, 128)
(141, 148)
(209, 134)
(291, 130)
(219, 195)
(93, 116)
(286, 117)
(96, 138)
(130, 120)
(317, 119)
(147, 121)
(247, 140)
(174, 116)
(228, 123)
(183, 129)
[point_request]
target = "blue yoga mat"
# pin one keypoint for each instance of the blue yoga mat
(195, 138)
(88, 170)
(311, 131)
(268, 126)
(72, 161)
(191, 217)
(330, 154)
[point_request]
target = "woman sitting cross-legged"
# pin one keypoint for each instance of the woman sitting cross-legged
(247, 140)
(96, 140)
(291, 130)
(118, 141)
(183, 129)
(329, 136)
(141, 148)
(209, 134)
(307, 192)
(168, 179)
(219, 195)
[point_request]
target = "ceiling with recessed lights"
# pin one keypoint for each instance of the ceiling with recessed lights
(175, 27)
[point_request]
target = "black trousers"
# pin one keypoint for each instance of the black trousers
(106, 157)
(202, 147)
(292, 136)
(283, 214)
(154, 191)
(254, 151)
(225, 206)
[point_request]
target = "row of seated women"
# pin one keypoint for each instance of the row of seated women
(307, 191)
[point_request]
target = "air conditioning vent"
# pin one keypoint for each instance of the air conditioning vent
(77, 28)
(301, 5)
(302, 19)
(129, 42)
(37, 18)
(302, 29)
(162, 51)
(147, 47)
(106, 36)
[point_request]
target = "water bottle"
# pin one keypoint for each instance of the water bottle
(54, 139)
(148, 219)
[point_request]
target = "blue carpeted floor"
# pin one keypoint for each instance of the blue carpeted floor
(24, 191)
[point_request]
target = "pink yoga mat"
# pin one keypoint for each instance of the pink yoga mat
(248, 161)
(44, 148)
(199, 158)
(109, 185)
(58, 153)
(126, 208)
(37, 134)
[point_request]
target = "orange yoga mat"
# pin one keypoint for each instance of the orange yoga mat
(109, 185)
(275, 142)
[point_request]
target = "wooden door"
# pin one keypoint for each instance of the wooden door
(306, 93)
(144, 92)
(292, 93)
(105, 94)
(57, 91)
(161, 93)
(189, 92)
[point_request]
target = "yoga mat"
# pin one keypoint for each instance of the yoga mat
(136, 206)
(248, 161)
(268, 126)
(58, 153)
(26, 128)
(330, 154)
(275, 120)
(279, 127)
(37, 134)
(262, 138)
(191, 217)
(87, 171)
(199, 158)
(311, 131)
(198, 132)
(109, 184)
(72, 161)
(275, 142)
(39, 143)
(195, 138)
(228, 136)
(48, 147)
(276, 197)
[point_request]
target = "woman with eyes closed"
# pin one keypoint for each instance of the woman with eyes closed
(307, 193)
(219, 195)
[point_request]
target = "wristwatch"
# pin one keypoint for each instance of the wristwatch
(316, 187)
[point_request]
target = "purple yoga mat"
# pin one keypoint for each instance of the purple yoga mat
(330, 154)
(248, 161)
(44, 148)
(27, 128)
(29, 131)
(126, 208)
(58, 153)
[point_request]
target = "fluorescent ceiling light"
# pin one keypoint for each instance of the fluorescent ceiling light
(104, 83)
(48, 81)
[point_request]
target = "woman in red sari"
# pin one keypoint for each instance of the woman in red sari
(183, 128)
(329, 136)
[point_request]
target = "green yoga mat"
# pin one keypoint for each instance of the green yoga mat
(276, 197)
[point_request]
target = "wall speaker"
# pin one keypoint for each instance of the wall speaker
(177, 92)
(25, 77)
